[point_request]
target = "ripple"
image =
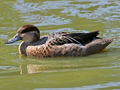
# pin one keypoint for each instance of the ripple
(3, 36)
(41, 20)
(8, 68)
(101, 10)
(91, 87)
(40, 6)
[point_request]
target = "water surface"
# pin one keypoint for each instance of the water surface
(97, 71)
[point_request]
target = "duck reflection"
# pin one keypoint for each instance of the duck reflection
(33, 68)
(38, 65)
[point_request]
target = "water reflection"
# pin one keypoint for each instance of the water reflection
(33, 68)
(36, 68)
(37, 65)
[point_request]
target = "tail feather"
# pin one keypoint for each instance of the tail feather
(98, 45)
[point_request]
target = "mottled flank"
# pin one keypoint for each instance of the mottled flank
(58, 44)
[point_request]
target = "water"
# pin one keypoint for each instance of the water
(97, 71)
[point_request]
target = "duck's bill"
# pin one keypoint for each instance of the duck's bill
(14, 39)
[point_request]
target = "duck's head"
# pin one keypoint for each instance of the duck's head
(27, 33)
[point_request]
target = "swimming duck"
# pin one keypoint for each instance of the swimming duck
(58, 44)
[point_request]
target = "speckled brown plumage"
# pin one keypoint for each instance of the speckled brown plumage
(58, 44)
(72, 49)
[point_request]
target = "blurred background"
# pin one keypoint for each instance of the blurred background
(97, 71)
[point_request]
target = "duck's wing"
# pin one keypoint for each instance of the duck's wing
(77, 38)
(84, 38)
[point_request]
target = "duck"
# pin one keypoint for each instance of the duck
(59, 44)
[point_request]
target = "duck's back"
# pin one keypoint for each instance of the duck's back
(61, 38)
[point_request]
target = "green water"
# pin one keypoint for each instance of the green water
(100, 71)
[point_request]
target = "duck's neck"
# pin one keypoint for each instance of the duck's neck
(22, 47)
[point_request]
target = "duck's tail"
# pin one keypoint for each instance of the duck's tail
(98, 45)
